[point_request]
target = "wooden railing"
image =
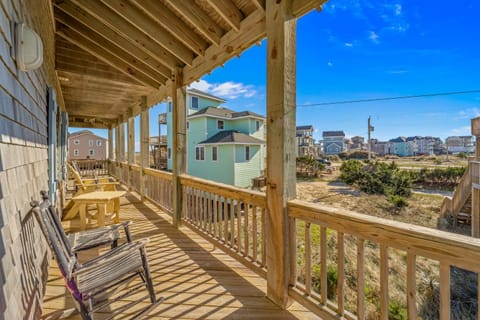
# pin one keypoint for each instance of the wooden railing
(135, 174)
(158, 188)
(234, 217)
(90, 168)
(321, 236)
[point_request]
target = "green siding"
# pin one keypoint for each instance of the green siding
(220, 170)
(245, 171)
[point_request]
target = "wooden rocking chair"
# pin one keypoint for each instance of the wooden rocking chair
(88, 185)
(94, 284)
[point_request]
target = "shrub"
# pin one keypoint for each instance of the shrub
(396, 310)
(398, 201)
(351, 171)
(333, 158)
(462, 155)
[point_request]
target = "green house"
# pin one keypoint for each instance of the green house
(222, 145)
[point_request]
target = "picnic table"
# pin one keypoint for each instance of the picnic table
(101, 199)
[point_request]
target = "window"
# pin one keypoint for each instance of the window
(91, 152)
(169, 153)
(76, 141)
(199, 153)
(188, 125)
(257, 125)
(247, 152)
(90, 143)
(220, 124)
(194, 103)
(99, 143)
(76, 152)
(170, 106)
(214, 154)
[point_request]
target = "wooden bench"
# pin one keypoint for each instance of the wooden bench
(101, 199)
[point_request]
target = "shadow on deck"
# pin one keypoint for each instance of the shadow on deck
(196, 279)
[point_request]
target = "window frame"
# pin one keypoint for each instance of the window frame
(199, 153)
(90, 142)
(257, 125)
(91, 152)
(76, 152)
(98, 143)
(218, 125)
(76, 141)
(192, 104)
(247, 153)
(169, 153)
(214, 153)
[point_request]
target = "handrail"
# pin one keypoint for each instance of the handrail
(448, 249)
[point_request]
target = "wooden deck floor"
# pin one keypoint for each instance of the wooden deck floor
(196, 279)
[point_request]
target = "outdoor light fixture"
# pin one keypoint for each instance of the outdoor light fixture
(28, 48)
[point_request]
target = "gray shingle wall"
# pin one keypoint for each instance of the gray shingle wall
(24, 257)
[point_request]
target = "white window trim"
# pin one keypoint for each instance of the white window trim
(169, 153)
(76, 141)
(218, 124)
(257, 124)
(90, 143)
(245, 153)
(99, 143)
(91, 152)
(200, 153)
(216, 148)
(191, 103)
(76, 152)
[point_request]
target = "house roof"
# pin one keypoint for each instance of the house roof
(225, 113)
(308, 127)
(196, 92)
(399, 139)
(232, 136)
(333, 134)
(82, 132)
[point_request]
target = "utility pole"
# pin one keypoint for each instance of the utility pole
(370, 129)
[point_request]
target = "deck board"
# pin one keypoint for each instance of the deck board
(196, 279)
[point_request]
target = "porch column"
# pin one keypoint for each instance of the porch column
(131, 146)
(121, 145)
(281, 99)
(179, 100)
(144, 144)
(110, 144)
(117, 143)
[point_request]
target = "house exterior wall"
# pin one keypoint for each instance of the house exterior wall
(333, 145)
(84, 147)
(245, 171)
(24, 257)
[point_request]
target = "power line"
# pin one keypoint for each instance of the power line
(389, 98)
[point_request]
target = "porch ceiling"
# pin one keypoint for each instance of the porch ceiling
(110, 53)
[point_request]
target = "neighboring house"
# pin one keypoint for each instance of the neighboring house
(222, 145)
(86, 145)
(333, 142)
(358, 143)
(457, 144)
(380, 148)
(305, 142)
(398, 146)
(429, 145)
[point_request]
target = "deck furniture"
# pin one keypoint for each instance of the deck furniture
(88, 185)
(103, 200)
(94, 284)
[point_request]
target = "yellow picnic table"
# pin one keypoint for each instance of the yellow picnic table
(101, 199)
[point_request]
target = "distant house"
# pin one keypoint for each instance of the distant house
(86, 145)
(333, 142)
(398, 146)
(457, 144)
(358, 143)
(380, 148)
(305, 142)
(222, 145)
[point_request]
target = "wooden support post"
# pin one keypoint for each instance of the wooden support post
(475, 212)
(144, 144)
(281, 99)
(179, 154)
(110, 144)
(121, 145)
(117, 143)
(131, 147)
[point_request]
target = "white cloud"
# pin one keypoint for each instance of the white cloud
(330, 64)
(348, 44)
(228, 90)
(461, 131)
(469, 113)
(398, 9)
(373, 36)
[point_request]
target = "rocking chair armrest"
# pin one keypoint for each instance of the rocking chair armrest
(126, 227)
(112, 257)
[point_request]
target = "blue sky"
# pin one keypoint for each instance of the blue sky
(362, 49)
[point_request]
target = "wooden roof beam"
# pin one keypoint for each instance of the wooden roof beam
(104, 55)
(72, 16)
(301, 7)
(191, 12)
(128, 31)
(168, 20)
(114, 48)
(260, 4)
(139, 19)
(228, 11)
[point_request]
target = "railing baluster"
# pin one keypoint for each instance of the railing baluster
(411, 286)
(239, 226)
(383, 282)
(444, 290)
(308, 261)
(323, 265)
(204, 209)
(245, 229)
(264, 252)
(254, 234)
(209, 210)
(231, 216)
(293, 252)
(360, 279)
(225, 220)
(341, 273)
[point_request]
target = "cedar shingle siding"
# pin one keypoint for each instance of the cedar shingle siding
(24, 257)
